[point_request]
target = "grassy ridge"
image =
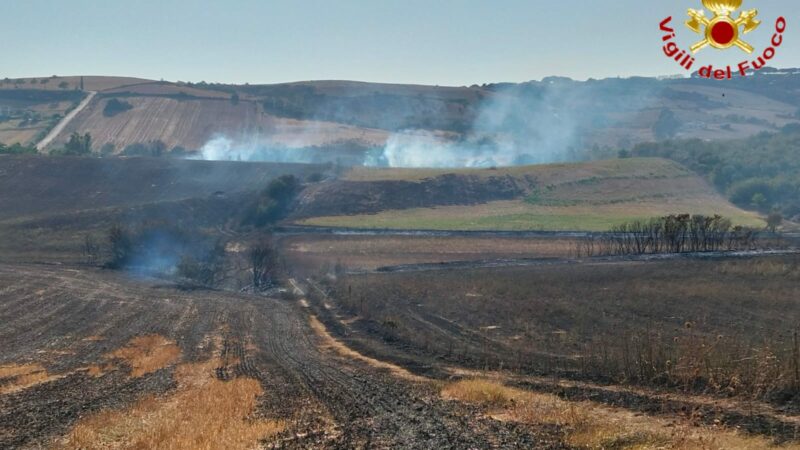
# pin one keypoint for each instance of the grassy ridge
(592, 196)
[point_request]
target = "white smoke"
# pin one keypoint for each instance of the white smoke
(223, 148)
(530, 123)
(510, 128)
(416, 148)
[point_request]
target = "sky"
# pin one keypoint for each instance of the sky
(435, 42)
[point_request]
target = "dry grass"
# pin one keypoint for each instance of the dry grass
(521, 215)
(590, 426)
(370, 252)
(22, 377)
(15, 370)
(544, 173)
(330, 343)
(147, 354)
(204, 413)
(624, 321)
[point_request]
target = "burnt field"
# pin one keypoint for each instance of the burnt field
(83, 349)
(683, 335)
(331, 353)
(626, 321)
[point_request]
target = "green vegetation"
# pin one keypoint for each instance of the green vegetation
(115, 106)
(273, 203)
(153, 148)
(16, 149)
(761, 172)
(78, 145)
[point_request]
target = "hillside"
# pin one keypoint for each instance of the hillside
(42, 186)
(761, 172)
(542, 120)
(585, 196)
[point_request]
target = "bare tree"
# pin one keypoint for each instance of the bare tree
(211, 270)
(91, 249)
(263, 264)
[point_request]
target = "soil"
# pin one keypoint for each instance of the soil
(55, 315)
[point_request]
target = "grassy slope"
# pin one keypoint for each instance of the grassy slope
(586, 196)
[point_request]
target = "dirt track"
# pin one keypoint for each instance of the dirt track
(54, 315)
(64, 122)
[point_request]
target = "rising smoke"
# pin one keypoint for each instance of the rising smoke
(530, 123)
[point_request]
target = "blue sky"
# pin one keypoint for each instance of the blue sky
(445, 42)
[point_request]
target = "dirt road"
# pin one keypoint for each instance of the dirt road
(64, 122)
(67, 318)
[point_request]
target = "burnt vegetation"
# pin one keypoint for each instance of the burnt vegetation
(725, 328)
(681, 233)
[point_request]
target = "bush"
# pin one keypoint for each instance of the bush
(208, 270)
(274, 202)
(115, 106)
(152, 148)
(121, 245)
(16, 149)
(78, 145)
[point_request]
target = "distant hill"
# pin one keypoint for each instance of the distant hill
(555, 112)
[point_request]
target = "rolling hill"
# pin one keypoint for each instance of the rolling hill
(554, 112)
(564, 197)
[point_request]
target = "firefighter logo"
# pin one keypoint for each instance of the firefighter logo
(722, 31)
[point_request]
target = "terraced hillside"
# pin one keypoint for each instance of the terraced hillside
(585, 196)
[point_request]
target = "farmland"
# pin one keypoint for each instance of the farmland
(338, 354)
(190, 123)
(564, 197)
(609, 114)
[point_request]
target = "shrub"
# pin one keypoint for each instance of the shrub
(115, 106)
(274, 202)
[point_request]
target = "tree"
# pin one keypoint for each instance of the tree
(121, 243)
(78, 145)
(63, 85)
(91, 249)
(107, 149)
(667, 125)
(209, 270)
(774, 220)
(235, 99)
(274, 202)
(262, 263)
(758, 200)
(115, 106)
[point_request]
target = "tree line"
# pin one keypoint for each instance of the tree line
(676, 233)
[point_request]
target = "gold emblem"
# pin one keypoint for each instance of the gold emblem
(722, 31)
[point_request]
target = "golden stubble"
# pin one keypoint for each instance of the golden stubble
(591, 426)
